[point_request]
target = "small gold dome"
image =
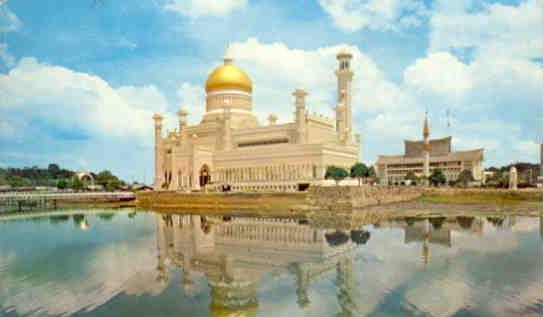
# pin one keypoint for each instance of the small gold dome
(228, 76)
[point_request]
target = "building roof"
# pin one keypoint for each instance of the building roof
(471, 155)
(438, 147)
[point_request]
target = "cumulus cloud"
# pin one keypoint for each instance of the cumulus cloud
(192, 97)
(276, 70)
(77, 102)
(198, 8)
(495, 29)
(484, 82)
(354, 15)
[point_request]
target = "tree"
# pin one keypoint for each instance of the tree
(77, 184)
(412, 177)
(112, 184)
(18, 181)
(465, 177)
(62, 184)
(437, 178)
(371, 172)
(336, 173)
(53, 170)
(359, 170)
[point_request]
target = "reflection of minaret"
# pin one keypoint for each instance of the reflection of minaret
(425, 252)
(346, 288)
(302, 283)
(425, 247)
(541, 226)
(162, 275)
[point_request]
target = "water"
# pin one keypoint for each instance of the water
(91, 263)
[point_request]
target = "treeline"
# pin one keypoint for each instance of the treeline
(54, 176)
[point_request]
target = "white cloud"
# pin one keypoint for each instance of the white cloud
(5, 56)
(198, 8)
(193, 98)
(496, 30)
(354, 15)
(9, 22)
(489, 82)
(276, 70)
(440, 73)
(75, 101)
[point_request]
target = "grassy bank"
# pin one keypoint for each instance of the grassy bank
(487, 197)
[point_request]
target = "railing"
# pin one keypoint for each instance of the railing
(67, 196)
(31, 199)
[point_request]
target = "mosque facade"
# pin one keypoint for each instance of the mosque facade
(230, 150)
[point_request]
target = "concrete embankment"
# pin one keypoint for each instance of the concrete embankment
(316, 199)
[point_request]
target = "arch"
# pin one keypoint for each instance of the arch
(205, 175)
(85, 176)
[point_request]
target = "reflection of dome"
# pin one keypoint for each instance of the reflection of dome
(240, 311)
(228, 77)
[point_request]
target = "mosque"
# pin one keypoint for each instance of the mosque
(230, 150)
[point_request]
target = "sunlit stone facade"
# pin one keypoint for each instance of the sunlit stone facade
(230, 149)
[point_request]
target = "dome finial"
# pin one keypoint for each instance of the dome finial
(228, 55)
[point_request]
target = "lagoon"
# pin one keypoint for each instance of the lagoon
(91, 262)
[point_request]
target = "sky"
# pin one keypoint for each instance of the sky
(80, 80)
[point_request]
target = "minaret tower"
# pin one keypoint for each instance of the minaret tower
(158, 157)
(344, 84)
(426, 147)
(299, 116)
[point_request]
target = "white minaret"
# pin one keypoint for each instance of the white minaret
(344, 84)
(299, 115)
(182, 114)
(426, 147)
(158, 157)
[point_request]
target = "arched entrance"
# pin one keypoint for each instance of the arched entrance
(205, 176)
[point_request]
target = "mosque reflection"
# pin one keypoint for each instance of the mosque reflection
(234, 252)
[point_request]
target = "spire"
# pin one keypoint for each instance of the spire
(228, 55)
(426, 129)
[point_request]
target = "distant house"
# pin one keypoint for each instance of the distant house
(141, 187)
(95, 188)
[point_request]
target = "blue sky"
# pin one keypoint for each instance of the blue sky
(80, 80)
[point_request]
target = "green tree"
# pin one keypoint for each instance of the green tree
(437, 177)
(53, 170)
(412, 177)
(371, 172)
(113, 184)
(77, 184)
(62, 183)
(18, 181)
(336, 173)
(465, 177)
(359, 170)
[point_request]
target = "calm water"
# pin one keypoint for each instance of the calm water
(149, 264)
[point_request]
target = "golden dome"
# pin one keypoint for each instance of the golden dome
(228, 76)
